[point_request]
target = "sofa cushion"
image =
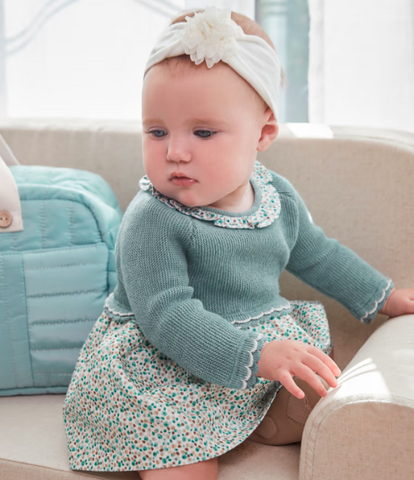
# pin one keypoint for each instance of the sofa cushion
(364, 427)
(33, 446)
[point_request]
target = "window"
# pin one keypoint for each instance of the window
(85, 58)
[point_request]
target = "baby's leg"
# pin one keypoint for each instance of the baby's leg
(286, 417)
(207, 470)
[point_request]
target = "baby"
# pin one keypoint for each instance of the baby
(196, 350)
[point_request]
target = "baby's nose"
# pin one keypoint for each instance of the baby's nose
(178, 153)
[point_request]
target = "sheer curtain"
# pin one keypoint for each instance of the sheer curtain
(82, 58)
(361, 64)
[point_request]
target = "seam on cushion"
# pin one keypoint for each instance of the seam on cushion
(61, 322)
(250, 364)
(261, 315)
(93, 208)
(377, 302)
(67, 265)
(71, 218)
(42, 217)
(53, 373)
(62, 293)
(27, 323)
(370, 137)
(7, 320)
(50, 349)
(35, 252)
(27, 318)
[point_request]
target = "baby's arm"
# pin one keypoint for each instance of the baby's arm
(334, 269)
(153, 245)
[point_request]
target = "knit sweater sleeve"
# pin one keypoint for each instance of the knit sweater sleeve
(153, 246)
(333, 269)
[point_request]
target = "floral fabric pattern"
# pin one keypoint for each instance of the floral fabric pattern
(129, 407)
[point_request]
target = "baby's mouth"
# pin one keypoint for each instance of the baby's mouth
(182, 181)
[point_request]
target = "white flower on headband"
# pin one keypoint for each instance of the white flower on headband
(211, 36)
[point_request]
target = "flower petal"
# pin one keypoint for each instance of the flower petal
(211, 35)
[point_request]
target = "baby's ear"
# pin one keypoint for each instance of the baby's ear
(270, 130)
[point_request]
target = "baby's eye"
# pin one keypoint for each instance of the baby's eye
(205, 133)
(153, 132)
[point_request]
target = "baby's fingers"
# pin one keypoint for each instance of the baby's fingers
(316, 365)
(305, 373)
(326, 359)
(287, 381)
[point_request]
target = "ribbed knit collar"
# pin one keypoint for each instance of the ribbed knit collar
(265, 210)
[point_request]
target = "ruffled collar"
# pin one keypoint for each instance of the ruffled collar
(265, 210)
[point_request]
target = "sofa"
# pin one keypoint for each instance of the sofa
(358, 186)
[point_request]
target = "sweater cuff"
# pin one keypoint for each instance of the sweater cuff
(249, 366)
(377, 301)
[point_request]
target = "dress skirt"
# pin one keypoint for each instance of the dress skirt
(129, 407)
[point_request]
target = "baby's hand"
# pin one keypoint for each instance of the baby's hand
(281, 360)
(399, 302)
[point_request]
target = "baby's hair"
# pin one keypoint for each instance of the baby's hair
(183, 64)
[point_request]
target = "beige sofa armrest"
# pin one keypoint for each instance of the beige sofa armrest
(363, 429)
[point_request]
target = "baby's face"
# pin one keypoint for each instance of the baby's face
(205, 125)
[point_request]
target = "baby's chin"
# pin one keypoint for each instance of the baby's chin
(184, 196)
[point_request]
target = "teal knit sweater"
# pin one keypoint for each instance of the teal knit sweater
(194, 278)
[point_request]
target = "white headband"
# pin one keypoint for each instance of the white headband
(213, 36)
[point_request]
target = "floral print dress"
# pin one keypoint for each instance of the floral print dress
(129, 407)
